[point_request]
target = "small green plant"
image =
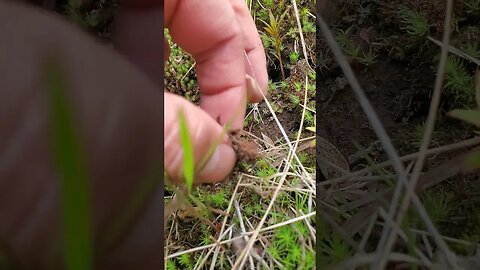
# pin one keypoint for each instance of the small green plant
(271, 86)
(342, 39)
(304, 12)
(418, 136)
(309, 118)
(288, 250)
(294, 99)
(302, 229)
(294, 57)
(249, 210)
(472, 49)
(285, 237)
(414, 22)
(298, 86)
(219, 199)
(458, 81)
(438, 205)
(276, 108)
(368, 58)
(265, 172)
(171, 265)
(205, 239)
(292, 33)
(308, 26)
(185, 261)
(331, 248)
(254, 207)
(351, 49)
(311, 87)
(273, 28)
(313, 128)
(268, 3)
(283, 84)
(309, 261)
(472, 7)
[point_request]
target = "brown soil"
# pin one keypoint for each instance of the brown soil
(398, 98)
(399, 90)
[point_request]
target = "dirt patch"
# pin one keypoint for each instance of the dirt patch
(399, 89)
(399, 99)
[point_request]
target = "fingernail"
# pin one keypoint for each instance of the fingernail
(252, 86)
(219, 165)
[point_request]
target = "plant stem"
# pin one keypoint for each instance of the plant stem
(281, 63)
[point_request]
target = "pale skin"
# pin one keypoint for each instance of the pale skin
(119, 116)
(218, 44)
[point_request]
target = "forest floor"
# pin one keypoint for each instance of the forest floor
(390, 48)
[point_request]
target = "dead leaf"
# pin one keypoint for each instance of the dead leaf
(267, 141)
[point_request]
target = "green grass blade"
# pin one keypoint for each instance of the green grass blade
(468, 116)
(188, 159)
(72, 172)
(472, 162)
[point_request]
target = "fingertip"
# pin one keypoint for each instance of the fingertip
(205, 133)
(262, 81)
(254, 90)
(219, 165)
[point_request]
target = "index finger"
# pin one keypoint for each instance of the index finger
(256, 63)
(209, 31)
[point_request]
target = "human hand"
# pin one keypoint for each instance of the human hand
(117, 118)
(217, 34)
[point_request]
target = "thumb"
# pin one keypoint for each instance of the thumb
(204, 133)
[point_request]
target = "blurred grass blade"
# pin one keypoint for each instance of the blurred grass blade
(188, 161)
(468, 116)
(72, 173)
(477, 86)
(472, 162)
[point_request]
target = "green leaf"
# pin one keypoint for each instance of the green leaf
(314, 128)
(468, 116)
(188, 160)
(72, 171)
(273, 20)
